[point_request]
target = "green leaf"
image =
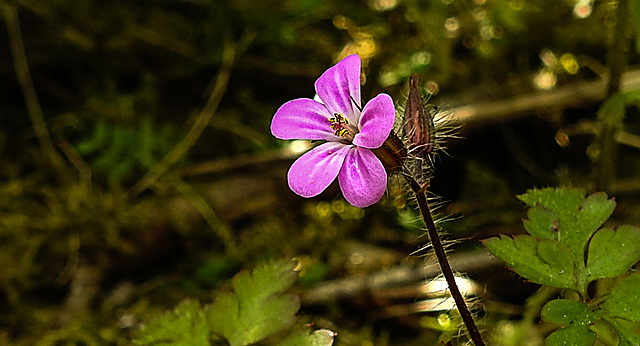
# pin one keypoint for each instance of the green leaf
(624, 299)
(563, 311)
(185, 326)
(257, 308)
(613, 252)
(628, 331)
(565, 215)
(301, 336)
(547, 262)
(558, 200)
(612, 111)
(542, 223)
(572, 335)
(576, 218)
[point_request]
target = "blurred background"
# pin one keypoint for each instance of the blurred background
(137, 167)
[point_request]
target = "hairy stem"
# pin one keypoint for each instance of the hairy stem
(474, 334)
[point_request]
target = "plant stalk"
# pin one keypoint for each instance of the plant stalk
(423, 204)
(618, 53)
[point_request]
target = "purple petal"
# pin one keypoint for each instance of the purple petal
(362, 178)
(339, 88)
(376, 122)
(302, 119)
(316, 169)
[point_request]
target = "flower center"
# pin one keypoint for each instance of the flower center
(341, 127)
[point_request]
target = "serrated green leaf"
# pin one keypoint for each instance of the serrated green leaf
(576, 220)
(186, 325)
(571, 335)
(302, 336)
(613, 252)
(547, 262)
(542, 223)
(257, 308)
(265, 281)
(624, 299)
(628, 331)
(593, 212)
(560, 200)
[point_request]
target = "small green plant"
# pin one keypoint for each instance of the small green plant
(567, 249)
(117, 150)
(257, 308)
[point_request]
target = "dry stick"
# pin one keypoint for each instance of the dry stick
(26, 84)
(444, 262)
(203, 119)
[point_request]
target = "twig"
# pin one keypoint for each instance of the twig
(202, 121)
(26, 84)
(200, 204)
(393, 277)
(474, 334)
(574, 94)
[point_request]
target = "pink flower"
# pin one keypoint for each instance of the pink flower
(350, 131)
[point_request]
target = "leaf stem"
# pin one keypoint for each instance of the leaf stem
(474, 334)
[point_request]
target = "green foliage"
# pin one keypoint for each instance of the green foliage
(185, 325)
(622, 309)
(257, 308)
(117, 150)
(612, 111)
(301, 336)
(565, 249)
(579, 316)
(561, 223)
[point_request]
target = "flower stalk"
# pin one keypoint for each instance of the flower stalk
(438, 248)
(421, 140)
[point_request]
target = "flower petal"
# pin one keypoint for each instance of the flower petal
(339, 88)
(376, 122)
(303, 119)
(362, 178)
(316, 169)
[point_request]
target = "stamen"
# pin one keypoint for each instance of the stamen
(338, 125)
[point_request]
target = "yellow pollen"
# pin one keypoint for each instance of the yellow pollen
(338, 123)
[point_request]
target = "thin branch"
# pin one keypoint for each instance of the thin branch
(574, 94)
(200, 204)
(229, 52)
(438, 248)
(393, 277)
(26, 84)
